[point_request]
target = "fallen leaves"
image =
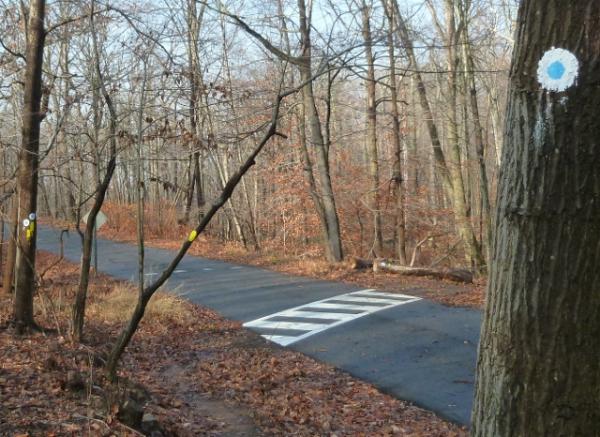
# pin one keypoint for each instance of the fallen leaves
(199, 374)
(293, 394)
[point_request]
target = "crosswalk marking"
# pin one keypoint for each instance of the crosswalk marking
(366, 299)
(339, 309)
(370, 293)
(316, 315)
(342, 306)
(296, 326)
(283, 340)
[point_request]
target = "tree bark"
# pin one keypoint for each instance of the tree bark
(469, 66)
(8, 272)
(27, 178)
(397, 176)
(371, 131)
(333, 243)
(456, 275)
(538, 368)
(194, 23)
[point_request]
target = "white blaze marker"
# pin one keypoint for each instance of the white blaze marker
(558, 70)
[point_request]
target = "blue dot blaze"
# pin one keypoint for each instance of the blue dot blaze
(556, 70)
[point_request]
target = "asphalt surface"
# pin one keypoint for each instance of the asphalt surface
(420, 351)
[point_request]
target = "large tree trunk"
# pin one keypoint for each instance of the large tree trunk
(539, 369)
(27, 178)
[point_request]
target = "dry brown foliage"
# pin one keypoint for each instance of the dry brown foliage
(200, 375)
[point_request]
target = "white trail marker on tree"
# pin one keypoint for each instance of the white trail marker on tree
(558, 70)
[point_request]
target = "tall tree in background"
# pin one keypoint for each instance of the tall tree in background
(27, 179)
(538, 369)
(371, 128)
(194, 19)
(397, 172)
(449, 172)
(319, 180)
(324, 199)
(463, 8)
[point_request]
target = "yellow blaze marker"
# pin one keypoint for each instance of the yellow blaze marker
(192, 236)
(29, 231)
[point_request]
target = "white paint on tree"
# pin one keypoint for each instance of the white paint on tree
(558, 70)
(338, 309)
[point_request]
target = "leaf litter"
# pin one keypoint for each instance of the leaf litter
(195, 372)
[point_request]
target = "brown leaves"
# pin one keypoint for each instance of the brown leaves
(293, 394)
(207, 377)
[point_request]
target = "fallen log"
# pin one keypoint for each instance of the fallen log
(457, 275)
(361, 263)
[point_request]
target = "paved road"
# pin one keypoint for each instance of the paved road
(413, 349)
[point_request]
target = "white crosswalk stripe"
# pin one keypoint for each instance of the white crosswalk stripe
(310, 319)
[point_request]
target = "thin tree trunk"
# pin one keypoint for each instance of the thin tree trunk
(194, 22)
(101, 189)
(144, 297)
(478, 130)
(397, 176)
(371, 131)
(8, 273)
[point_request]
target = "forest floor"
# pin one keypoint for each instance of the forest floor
(193, 372)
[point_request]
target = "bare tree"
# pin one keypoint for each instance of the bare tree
(450, 173)
(146, 293)
(371, 128)
(397, 175)
(100, 192)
